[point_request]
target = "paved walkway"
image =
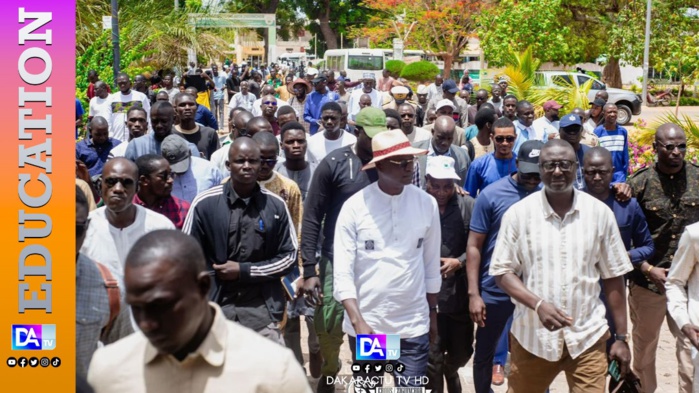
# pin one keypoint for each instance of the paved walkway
(666, 364)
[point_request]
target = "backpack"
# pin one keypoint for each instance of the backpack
(112, 286)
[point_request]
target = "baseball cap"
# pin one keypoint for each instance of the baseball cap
(502, 80)
(570, 120)
(319, 79)
(176, 151)
(441, 167)
(311, 71)
(422, 89)
(528, 156)
(552, 104)
(599, 102)
(372, 120)
(444, 102)
(450, 86)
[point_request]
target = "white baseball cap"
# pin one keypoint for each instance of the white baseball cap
(441, 167)
(444, 102)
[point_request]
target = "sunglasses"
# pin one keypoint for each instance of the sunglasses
(550, 166)
(408, 115)
(403, 164)
(501, 139)
(112, 181)
(271, 103)
(80, 227)
(671, 146)
(269, 162)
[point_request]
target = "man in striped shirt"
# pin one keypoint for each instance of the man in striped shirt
(561, 242)
(615, 138)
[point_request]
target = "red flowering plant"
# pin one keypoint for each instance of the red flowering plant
(641, 153)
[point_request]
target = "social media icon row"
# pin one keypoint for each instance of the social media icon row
(33, 362)
(378, 367)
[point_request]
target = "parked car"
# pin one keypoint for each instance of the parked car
(628, 102)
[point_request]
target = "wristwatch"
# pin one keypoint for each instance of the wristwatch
(622, 337)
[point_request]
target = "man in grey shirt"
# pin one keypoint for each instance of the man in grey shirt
(295, 166)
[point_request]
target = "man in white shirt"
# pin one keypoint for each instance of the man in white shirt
(434, 90)
(99, 104)
(120, 103)
(683, 292)
(117, 225)
(548, 123)
(387, 248)
(523, 125)
(257, 105)
(368, 84)
(562, 242)
(244, 98)
(332, 137)
(185, 342)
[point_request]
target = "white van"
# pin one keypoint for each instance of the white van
(356, 62)
(296, 58)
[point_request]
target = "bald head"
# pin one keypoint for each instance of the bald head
(443, 134)
(267, 90)
(266, 140)
(99, 130)
(258, 124)
(181, 252)
(556, 144)
(597, 154)
(444, 123)
(98, 121)
(191, 90)
(669, 131)
(121, 163)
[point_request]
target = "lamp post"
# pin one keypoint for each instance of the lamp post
(115, 38)
(646, 54)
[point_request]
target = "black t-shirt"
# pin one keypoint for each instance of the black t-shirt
(206, 140)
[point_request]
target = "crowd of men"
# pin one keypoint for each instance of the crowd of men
(467, 229)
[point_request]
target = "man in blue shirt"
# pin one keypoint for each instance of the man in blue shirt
(94, 149)
(217, 98)
(494, 166)
(614, 138)
(315, 101)
(525, 119)
(629, 216)
(486, 299)
(203, 115)
(571, 131)
(79, 112)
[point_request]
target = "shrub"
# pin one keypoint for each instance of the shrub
(395, 67)
(420, 71)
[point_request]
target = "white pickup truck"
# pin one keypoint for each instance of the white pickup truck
(628, 102)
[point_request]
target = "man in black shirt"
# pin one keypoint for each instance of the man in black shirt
(455, 342)
(249, 242)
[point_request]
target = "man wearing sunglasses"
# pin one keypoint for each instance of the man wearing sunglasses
(486, 299)
(668, 193)
(117, 225)
(269, 110)
(494, 166)
(92, 298)
(332, 136)
(387, 251)
(552, 250)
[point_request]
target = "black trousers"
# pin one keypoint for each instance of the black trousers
(452, 351)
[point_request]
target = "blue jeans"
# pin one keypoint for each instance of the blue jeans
(413, 355)
(487, 338)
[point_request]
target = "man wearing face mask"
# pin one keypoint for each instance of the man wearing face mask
(332, 137)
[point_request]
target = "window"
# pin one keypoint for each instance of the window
(562, 80)
(365, 62)
(596, 85)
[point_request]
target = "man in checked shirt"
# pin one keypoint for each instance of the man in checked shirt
(562, 241)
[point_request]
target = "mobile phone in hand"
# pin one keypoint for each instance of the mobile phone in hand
(614, 370)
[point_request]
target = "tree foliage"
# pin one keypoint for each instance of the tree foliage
(395, 67)
(439, 27)
(420, 71)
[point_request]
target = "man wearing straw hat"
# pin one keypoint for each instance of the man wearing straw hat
(387, 277)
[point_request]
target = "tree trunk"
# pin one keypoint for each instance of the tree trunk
(679, 97)
(611, 74)
(328, 33)
(448, 59)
